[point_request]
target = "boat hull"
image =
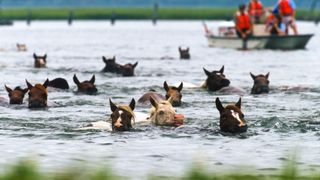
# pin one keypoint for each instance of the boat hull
(290, 42)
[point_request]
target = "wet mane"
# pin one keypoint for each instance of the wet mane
(127, 109)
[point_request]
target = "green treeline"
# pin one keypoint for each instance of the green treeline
(133, 13)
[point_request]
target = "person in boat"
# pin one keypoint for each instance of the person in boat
(287, 10)
(276, 27)
(256, 11)
(243, 23)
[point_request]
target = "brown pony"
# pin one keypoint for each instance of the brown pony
(86, 87)
(16, 96)
(184, 53)
(231, 117)
(216, 80)
(261, 84)
(111, 65)
(122, 115)
(38, 95)
(128, 69)
(40, 61)
(174, 93)
(163, 114)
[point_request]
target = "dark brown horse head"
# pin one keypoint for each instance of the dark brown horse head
(128, 69)
(231, 117)
(40, 61)
(38, 95)
(216, 80)
(111, 65)
(86, 87)
(16, 96)
(261, 84)
(122, 116)
(174, 93)
(184, 53)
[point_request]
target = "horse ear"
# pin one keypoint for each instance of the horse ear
(221, 70)
(207, 72)
(46, 83)
(104, 59)
(93, 79)
(8, 89)
(219, 105)
(253, 76)
(45, 57)
(180, 87)
(29, 85)
(187, 49)
(114, 58)
(170, 100)
(113, 107)
(153, 102)
(25, 90)
(135, 64)
(165, 86)
(34, 55)
(267, 75)
(238, 104)
(76, 80)
(180, 49)
(132, 104)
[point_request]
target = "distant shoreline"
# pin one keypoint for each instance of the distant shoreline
(132, 13)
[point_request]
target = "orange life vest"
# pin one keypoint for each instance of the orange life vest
(243, 21)
(285, 7)
(255, 8)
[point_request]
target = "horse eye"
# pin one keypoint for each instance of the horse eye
(242, 116)
(161, 112)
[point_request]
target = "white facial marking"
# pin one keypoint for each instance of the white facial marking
(41, 61)
(236, 116)
(118, 122)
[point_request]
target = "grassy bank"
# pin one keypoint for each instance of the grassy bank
(132, 13)
(27, 170)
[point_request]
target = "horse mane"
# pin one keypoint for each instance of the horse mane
(127, 109)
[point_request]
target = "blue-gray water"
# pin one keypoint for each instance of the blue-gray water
(279, 123)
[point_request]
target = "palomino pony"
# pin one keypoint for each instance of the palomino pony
(86, 87)
(40, 61)
(163, 114)
(231, 117)
(21, 47)
(38, 95)
(16, 96)
(216, 80)
(184, 53)
(261, 84)
(174, 93)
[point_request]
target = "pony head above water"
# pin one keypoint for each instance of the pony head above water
(38, 95)
(21, 47)
(122, 115)
(16, 96)
(174, 93)
(261, 84)
(231, 117)
(184, 53)
(163, 114)
(111, 65)
(40, 61)
(216, 80)
(128, 69)
(86, 87)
